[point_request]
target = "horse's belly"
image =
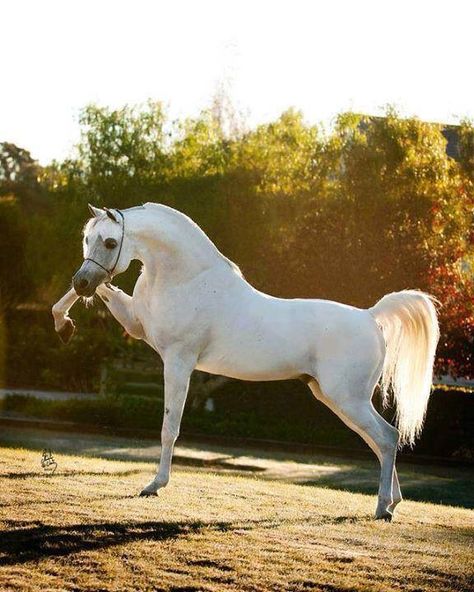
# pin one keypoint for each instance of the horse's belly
(249, 371)
(253, 361)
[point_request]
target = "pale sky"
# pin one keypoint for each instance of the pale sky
(321, 57)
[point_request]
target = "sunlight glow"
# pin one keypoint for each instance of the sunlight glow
(320, 57)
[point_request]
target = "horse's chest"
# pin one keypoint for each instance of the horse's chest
(169, 317)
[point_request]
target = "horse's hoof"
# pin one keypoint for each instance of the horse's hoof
(67, 331)
(386, 516)
(147, 493)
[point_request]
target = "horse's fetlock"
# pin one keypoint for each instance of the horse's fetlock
(162, 482)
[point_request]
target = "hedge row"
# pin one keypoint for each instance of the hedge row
(283, 411)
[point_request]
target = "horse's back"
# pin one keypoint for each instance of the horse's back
(259, 337)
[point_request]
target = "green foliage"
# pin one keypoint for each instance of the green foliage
(19, 176)
(122, 151)
(15, 281)
(281, 158)
(35, 358)
(466, 148)
(200, 149)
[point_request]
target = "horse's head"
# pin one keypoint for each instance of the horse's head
(105, 250)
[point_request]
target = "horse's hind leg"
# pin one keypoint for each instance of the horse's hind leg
(360, 415)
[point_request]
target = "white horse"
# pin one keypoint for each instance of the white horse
(193, 306)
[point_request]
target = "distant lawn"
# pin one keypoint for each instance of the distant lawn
(285, 412)
(447, 485)
(85, 529)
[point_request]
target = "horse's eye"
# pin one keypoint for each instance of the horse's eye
(110, 243)
(87, 241)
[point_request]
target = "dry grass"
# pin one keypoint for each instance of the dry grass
(85, 529)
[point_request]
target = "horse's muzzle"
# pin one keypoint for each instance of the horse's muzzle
(82, 287)
(87, 278)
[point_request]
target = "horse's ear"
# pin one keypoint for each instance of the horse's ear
(111, 215)
(95, 211)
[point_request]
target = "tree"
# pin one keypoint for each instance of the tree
(122, 152)
(20, 176)
(466, 148)
(20, 196)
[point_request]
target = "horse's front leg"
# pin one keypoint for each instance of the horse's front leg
(121, 307)
(178, 367)
(63, 324)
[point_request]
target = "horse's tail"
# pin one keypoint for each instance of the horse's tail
(410, 327)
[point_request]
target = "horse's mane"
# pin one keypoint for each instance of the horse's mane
(186, 221)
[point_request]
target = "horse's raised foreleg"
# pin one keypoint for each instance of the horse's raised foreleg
(64, 325)
(177, 370)
(121, 307)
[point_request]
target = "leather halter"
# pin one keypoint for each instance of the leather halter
(111, 271)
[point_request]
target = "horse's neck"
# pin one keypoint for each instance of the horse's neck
(171, 249)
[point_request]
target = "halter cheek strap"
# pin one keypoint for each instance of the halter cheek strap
(111, 271)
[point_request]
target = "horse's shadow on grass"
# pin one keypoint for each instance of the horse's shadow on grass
(19, 545)
(72, 473)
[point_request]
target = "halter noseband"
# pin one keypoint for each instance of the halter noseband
(111, 271)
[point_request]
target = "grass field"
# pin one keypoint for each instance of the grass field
(85, 529)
